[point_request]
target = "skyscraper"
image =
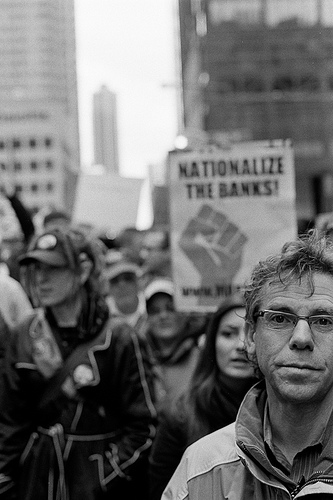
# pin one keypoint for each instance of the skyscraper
(39, 137)
(105, 130)
(263, 69)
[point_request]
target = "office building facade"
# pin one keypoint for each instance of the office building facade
(263, 69)
(105, 130)
(39, 135)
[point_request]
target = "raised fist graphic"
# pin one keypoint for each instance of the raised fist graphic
(214, 245)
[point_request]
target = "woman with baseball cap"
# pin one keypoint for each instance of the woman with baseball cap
(76, 417)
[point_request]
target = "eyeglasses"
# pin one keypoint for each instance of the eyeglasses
(126, 277)
(286, 322)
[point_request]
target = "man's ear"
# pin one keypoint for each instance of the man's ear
(86, 267)
(250, 336)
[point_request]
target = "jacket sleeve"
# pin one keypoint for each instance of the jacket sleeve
(168, 447)
(23, 217)
(177, 487)
(16, 417)
(137, 414)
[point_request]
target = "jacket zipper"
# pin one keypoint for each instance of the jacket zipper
(299, 487)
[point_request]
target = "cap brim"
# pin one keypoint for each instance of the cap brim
(159, 285)
(120, 268)
(50, 258)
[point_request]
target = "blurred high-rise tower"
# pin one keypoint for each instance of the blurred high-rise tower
(39, 137)
(263, 69)
(105, 130)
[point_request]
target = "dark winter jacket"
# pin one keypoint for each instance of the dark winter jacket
(82, 434)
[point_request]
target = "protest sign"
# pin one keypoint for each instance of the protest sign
(229, 208)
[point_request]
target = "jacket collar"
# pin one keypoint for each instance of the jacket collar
(250, 440)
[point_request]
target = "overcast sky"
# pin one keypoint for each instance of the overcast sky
(129, 45)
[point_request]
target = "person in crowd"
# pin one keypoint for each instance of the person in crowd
(280, 446)
(12, 249)
(173, 342)
(125, 299)
(156, 256)
(76, 416)
(220, 380)
(15, 306)
(14, 301)
(129, 241)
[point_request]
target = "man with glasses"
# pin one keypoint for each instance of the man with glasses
(76, 418)
(281, 445)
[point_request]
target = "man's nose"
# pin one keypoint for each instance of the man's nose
(301, 337)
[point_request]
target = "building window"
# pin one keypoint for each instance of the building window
(33, 165)
(32, 143)
(253, 84)
(284, 83)
(2, 144)
(18, 188)
(309, 83)
(49, 186)
(3, 166)
(16, 143)
(303, 83)
(49, 164)
(17, 166)
(48, 142)
(34, 188)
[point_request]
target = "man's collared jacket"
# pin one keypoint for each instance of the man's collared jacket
(231, 464)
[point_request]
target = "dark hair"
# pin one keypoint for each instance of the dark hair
(310, 253)
(207, 373)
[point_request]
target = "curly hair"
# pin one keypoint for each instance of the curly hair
(300, 259)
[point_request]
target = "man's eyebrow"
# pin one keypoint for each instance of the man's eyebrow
(316, 311)
(277, 307)
(322, 310)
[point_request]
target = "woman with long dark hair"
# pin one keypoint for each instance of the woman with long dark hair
(221, 379)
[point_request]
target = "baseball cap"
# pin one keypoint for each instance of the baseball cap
(159, 285)
(122, 267)
(49, 249)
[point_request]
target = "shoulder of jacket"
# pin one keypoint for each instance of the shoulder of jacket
(212, 450)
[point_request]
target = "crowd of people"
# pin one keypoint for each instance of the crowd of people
(107, 391)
